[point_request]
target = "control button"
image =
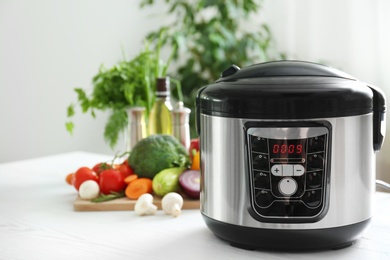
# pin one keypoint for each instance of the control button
(264, 198)
(314, 180)
(316, 144)
(315, 161)
(262, 180)
(288, 170)
(299, 170)
(288, 186)
(312, 198)
(260, 162)
(259, 144)
(277, 170)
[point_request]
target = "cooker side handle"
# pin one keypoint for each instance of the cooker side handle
(379, 120)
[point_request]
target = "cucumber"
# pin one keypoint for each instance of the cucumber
(167, 181)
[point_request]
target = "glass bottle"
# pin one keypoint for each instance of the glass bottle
(160, 118)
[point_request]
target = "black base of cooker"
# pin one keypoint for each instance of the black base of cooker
(287, 240)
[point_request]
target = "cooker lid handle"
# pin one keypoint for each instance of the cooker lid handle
(280, 69)
(230, 71)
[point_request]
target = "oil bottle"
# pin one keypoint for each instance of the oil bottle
(160, 118)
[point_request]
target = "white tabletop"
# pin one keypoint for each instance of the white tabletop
(37, 221)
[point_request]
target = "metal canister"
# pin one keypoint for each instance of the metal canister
(136, 129)
(180, 124)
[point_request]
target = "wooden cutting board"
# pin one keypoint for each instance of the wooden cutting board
(124, 204)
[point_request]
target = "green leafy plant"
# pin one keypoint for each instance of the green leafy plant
(209, 36)
(127, 84)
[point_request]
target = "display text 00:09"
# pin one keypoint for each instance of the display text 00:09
(284, 149)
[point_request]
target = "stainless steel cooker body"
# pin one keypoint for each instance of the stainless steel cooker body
(227, 178)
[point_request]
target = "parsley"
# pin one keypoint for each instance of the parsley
(127, 84)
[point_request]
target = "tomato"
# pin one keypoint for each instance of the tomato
(111, 181)
(125, 169)
(98, 168)
(194, 147)
(83, 174)
(69, 178)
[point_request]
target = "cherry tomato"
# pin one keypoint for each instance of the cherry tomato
(83, 174)
(111, 181)
(125, 169)
(69, 178)
(98, 168)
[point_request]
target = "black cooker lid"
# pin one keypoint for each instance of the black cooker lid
(285, 90)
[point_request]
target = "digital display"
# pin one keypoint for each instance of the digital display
(287, 148)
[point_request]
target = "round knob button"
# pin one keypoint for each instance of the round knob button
(288, 186)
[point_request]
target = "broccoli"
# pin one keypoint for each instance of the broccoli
(155, 153)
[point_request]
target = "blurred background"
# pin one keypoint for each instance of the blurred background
(49, 47)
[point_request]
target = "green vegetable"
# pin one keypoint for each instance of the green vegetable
(127, 84)
(155, 153)
(167, 181)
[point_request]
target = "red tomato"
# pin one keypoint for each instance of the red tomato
(83, 174)
(111, 181)
(125, 169)
(98, 168)
(194, 147)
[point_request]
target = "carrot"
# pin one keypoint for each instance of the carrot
(131, 178)
(69, 178)
(138, 187)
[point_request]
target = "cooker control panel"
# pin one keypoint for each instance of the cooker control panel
(288, 168)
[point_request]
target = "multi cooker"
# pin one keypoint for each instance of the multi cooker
(288, 155)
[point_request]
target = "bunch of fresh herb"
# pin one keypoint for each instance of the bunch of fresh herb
(127, 84)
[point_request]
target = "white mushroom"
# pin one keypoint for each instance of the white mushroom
(172, 203)
(144, 205)
(89, 190)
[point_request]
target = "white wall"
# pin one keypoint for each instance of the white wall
(48, 47)
(352, 35)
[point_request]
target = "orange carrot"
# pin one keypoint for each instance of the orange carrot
(69, 178)
(131, 178)
(138, 187)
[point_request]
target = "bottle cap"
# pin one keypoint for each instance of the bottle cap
(163, 86)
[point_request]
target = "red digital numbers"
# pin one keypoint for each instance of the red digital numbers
(287, 149)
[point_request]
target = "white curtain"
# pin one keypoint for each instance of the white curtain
(351, 35)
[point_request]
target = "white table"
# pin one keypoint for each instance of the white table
(37, 221)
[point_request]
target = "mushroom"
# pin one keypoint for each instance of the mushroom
(144, 205)
(89, 190)
(172, 203)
